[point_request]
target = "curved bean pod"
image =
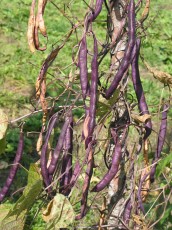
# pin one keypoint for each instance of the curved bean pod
(75, 175)
(31, 26)
(93, 94)
(117, 155)
(161, 140)
(41, 24)
(139, 193)
(13, 169)
(66, 170)
(58, 148)
(83, 67)
(139, 89)
(127, 212)
(128, 52)
(43, 160)
(88, 175)
(94, 13)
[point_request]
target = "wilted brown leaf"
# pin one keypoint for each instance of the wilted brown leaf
(163, 77)
(142, 118)
(59, 213)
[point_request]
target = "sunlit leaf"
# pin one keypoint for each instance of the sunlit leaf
(59, 213)
(12, 222)
(30, 193)
(4, 209)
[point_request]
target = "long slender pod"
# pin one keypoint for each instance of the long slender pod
(36, 36)
(91, 126)
(161, 140)
(129, 204)
(88, 175)
(117, 154)
(58, 148)
(41, 24)
(51, 57)
(31, 26)
(83, 67)
(14, 168)
(139, 193)
(78, 168)
(66, 170)
(93, 94)
(139, 89)
(128, 52)
(43, 160)
(76, 172)
(127, 212)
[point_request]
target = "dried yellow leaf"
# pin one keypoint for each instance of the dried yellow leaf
(161, 76)
(142, 118)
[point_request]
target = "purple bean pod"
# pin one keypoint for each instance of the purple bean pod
(66, 170)
(140, 203)
(77, 168)
(127, 212)
(83, 67)
(75, 175)
(128, 52)
(161, 140)
(93, 93)
(94, 14)
(91, 125)
(58, 149)
(88, 175)
(139, 89)
(117, 155)
(43, 160)
(13, 169)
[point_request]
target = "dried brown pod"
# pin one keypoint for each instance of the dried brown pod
(145, 11)
(41, 24)
(31, 26)
(36, 36)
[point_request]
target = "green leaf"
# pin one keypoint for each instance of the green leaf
(32, 190)
(59, 213)
(3, 130)
(11, 223)
(166, 215)
(4, 210)
(15, 217)
(162, 164)
(104, 106)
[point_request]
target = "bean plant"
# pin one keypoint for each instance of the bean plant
(94, 133)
